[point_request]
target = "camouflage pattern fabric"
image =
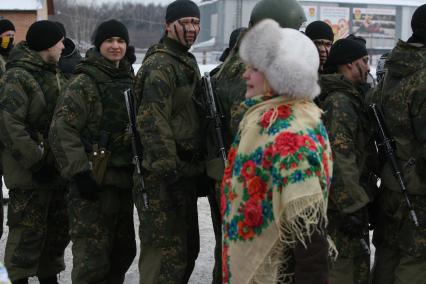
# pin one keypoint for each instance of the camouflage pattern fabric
(28, 96)
(103, 236)
(38, 233)
(36, 216)
(168, 124)
(229, 89)
(401, 97)
(348, 128)
(2, 70)
(94, 102)
(102, 232)
(2, 65)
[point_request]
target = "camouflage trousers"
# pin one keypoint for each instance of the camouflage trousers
(352, 265)
(103, 235)
(214, 201)
(1, 204)
(168, 231)
(400, 246)
(38, 232)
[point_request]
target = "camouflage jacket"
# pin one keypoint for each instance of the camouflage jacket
(2, 64)
(230, 89)
(167, 118)
(402, 98)
(29, 91)
(346, 121)
(92, 109)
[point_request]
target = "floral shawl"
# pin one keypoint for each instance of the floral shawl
(274, 189)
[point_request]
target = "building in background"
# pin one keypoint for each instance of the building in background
(25, 12)
(381, 22)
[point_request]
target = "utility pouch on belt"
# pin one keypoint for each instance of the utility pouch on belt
(100, 157)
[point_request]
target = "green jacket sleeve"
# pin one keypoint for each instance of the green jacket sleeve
(418, 114)
(15, 105)
(342, 123)
(154, 116)
(71, 116)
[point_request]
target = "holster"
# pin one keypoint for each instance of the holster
(99, 158)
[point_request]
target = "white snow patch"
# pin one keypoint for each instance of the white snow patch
(25, 5)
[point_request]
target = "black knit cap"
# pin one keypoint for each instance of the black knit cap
(319, 30)
(345, 51)
(181, 9)
(43, 34)
(6, 25)
(109, 29)
(418, 21)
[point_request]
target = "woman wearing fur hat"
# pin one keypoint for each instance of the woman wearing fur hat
(274, 190)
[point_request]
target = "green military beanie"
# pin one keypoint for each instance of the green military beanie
(109, 29)
(345, 51)
(181, 9)
(43, 34)
(6, 25)
(287, 13)
(418, 21)
(319, 30)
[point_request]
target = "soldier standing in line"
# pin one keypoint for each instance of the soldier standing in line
(37, 219)
(229, 88)
(90, 142)
(400, 255)
(322, 35)
(168, 124)
(345, 118)
(7, 35)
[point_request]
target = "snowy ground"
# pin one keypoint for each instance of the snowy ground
(203, 267)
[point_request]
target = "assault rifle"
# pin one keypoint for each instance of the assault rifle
(136, 143)
(214, 114)
(386, 145)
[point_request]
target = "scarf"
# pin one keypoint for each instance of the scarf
(274, 189)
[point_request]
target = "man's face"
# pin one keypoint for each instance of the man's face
(113, 49)
(323, 47)
(6, 39)
(185, 30)
(360, 69)
(54, 52)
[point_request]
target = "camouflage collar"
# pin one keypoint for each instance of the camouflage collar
(22, 56)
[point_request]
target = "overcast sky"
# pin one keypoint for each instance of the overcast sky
(162, 2)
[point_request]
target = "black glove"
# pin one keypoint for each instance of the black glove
(45, 173)
(130, 54)
(86, 185)
(354, 225)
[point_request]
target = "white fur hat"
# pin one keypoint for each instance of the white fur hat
(288, 59)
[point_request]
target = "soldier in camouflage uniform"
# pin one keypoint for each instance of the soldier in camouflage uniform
(38, 228)
(229, 88)
(169, 127)
(401, 246)
(345, 118)
(90, 142)
(7, 34)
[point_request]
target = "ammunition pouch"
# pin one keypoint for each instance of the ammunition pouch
(99, 159)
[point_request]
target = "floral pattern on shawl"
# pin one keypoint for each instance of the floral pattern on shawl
(252, 178)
